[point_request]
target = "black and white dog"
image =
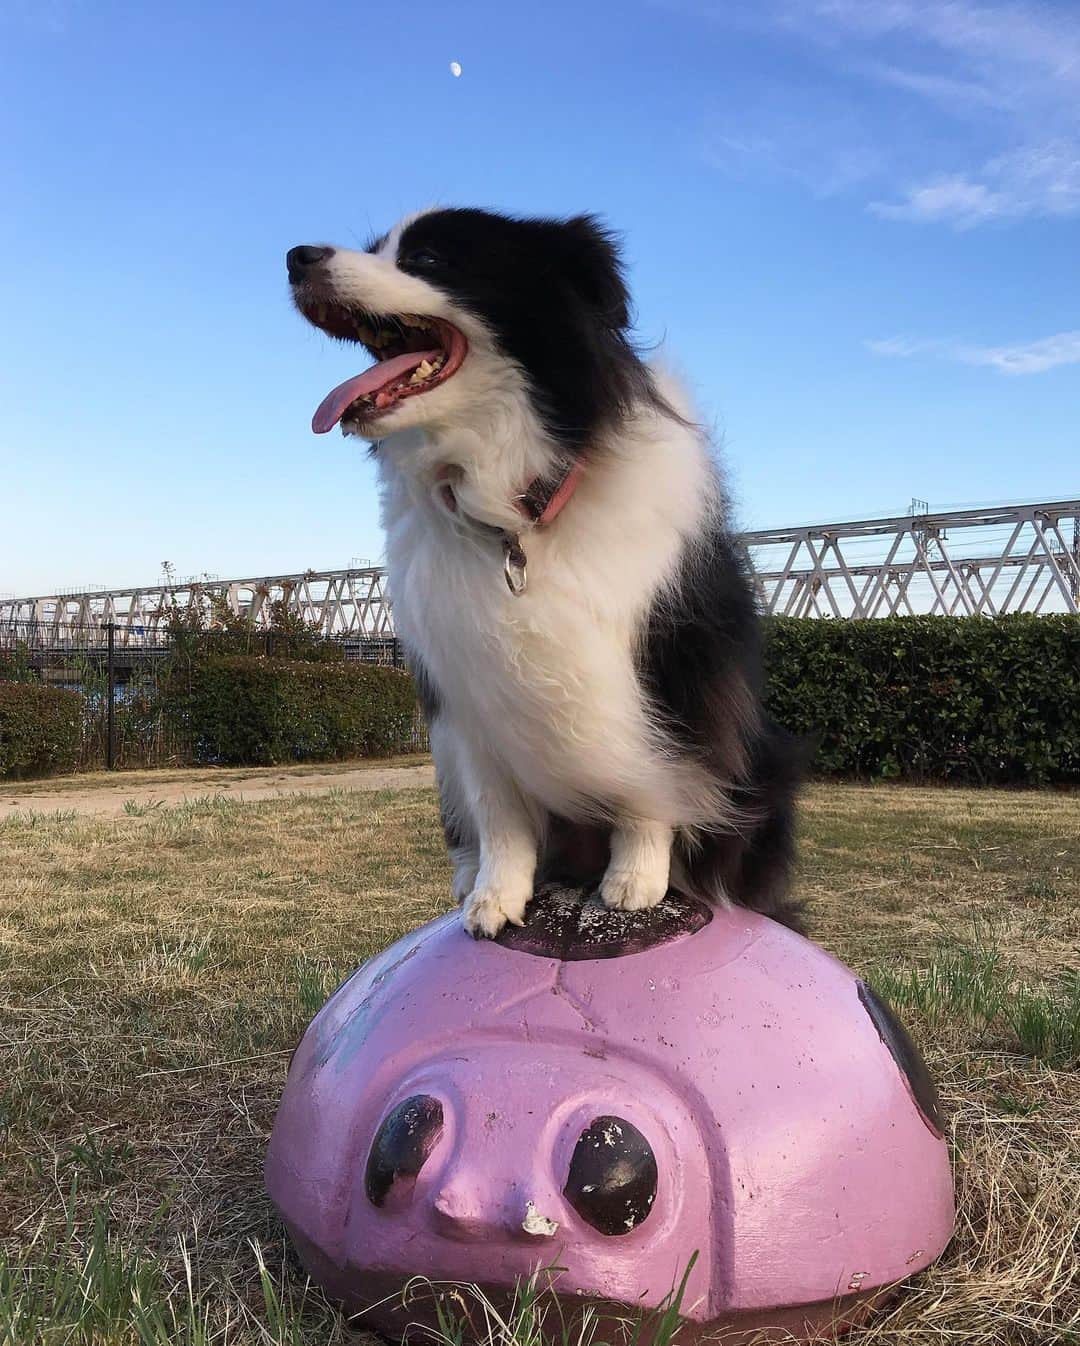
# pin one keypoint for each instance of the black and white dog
(578, 617)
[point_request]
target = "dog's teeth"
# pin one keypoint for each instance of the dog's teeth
(423, 370)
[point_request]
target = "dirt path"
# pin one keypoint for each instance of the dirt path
(111, 796)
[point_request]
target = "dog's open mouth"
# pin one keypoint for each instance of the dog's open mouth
(413, 355)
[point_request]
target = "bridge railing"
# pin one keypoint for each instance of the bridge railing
(971, 562)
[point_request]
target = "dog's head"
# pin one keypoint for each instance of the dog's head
(464, 308)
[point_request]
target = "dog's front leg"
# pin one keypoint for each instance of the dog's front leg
(461, 841)
(640, 866)
(465, 861)
(509, 839)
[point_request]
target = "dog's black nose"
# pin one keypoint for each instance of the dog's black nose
(300, 260)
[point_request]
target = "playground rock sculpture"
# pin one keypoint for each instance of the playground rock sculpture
(643, 1100)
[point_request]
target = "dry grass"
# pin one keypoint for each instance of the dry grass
(209, 779)
(156, 971)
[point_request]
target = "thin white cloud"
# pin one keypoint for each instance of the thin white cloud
(957, 200)
(984, 35)
(904, 347)
(1002, 58)
(828, 155)
(1033, 357)
(956, 94)
(1041, 180)
(992, 88)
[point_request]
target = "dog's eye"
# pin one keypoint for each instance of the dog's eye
(612, 1181)
(423, 258)
(402, 1145)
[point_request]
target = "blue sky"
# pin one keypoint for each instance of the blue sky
(854, 224)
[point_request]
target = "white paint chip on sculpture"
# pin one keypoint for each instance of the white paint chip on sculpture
(535, 1223)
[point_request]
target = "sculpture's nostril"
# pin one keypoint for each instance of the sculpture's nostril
(467, 1214)
(460, 1216)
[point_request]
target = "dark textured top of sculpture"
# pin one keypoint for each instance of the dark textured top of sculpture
(572, 924)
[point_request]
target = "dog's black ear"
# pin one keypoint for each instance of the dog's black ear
(592, 264)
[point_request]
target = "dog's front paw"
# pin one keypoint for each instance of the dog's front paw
(629, 890)
(487, 910)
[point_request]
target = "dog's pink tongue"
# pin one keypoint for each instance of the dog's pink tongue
(335, 404)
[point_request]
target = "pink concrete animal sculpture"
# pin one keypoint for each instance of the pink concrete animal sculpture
(611, 1093)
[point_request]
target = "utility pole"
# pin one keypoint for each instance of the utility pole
(110, 707)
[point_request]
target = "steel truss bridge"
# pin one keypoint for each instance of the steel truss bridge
(961, 563)
(971, 562)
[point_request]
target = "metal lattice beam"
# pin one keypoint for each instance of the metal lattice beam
(976, 562)
(343, 603)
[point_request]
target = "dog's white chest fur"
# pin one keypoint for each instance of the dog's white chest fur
(545, 683)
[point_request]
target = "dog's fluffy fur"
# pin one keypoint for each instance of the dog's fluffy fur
(605, 725)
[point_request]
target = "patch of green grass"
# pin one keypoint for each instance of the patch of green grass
(97, 1159)
(134, 809)
(102, 1291)
(42, 822)
(1011, 1106)
(182, 958)
(1041, 889)
(92, 1291)
(964, 982)
(978, 984)
(316, 978)
(535, 1314)
(1047, 1022)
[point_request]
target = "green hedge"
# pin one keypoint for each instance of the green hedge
(258, 711)
(40, 729)
(932, 698)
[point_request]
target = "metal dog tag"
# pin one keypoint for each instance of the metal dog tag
(514, 563)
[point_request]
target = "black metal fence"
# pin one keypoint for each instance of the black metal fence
(122, 673)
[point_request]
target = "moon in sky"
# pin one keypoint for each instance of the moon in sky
(455, 69)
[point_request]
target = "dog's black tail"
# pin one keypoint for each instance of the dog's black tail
(753, 867)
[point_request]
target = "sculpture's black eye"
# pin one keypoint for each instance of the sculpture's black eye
(906, 1055)
(402, 1145)
(612, 1182)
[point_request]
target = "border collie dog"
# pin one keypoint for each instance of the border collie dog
(577, 615)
